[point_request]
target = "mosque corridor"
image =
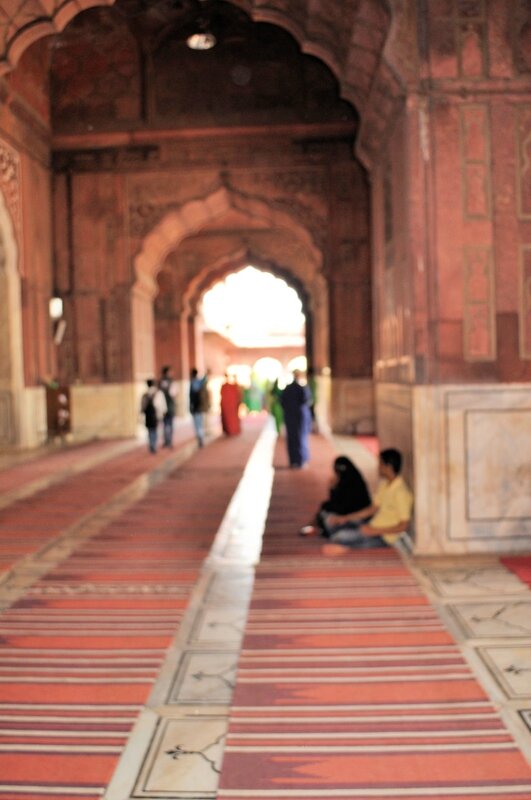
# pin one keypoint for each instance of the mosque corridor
(147, 650)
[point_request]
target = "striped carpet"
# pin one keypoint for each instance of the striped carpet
(29, 523)
(80, 652)
(349, 686)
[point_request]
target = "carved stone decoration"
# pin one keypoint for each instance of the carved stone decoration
(525, 301)
(475, 166)
(523, 132)
(144, 216)
(10, 185)
(479, 319)
(302, 181)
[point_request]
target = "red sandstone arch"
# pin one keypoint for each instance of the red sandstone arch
(349, 40)
(212, 273)
(195, 214)
(184, 221)
(32, 21)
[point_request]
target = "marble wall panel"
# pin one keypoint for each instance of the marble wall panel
(498, 473)
(352, 406)
(109, 410)
(466, 454)
(487, 464)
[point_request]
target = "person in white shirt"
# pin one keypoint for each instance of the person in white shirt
(153, 406)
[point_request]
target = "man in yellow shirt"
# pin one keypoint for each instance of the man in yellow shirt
(381, 523)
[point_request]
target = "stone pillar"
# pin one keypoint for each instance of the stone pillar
(349, 295)
(453, 315)
(22, 401)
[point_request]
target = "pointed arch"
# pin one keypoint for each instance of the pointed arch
(195, 214)
(351, 40)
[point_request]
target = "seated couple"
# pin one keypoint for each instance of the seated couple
(350, 520)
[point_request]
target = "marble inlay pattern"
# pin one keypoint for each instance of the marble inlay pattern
(215, 625)
(179, 738)
(491, 620)
(494, 635)
(512, 668)
(475, 581)
(207, 677)
(526, 716)
(184, 760)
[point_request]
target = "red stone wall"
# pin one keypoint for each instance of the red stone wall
(482, 223)
(94, 277)
(288, 211)
(452, 267)
(395, 220)
(24, 121)
(349, 273)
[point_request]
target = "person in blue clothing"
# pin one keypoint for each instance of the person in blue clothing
(169, 388)
(296, 400)
(197, 405)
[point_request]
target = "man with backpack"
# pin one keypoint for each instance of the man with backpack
(153, 406)
(169, 388)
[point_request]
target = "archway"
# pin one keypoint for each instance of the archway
(349, 40)
(250, 318)
(184, 222)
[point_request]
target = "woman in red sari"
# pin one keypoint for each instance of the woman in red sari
(231, 397)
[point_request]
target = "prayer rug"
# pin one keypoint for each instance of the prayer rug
(349, 685)
(80, 651)
(28, 524)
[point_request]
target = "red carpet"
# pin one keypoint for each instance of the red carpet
(520, 565)
(80, 652)
(349, 686)
(28, 524)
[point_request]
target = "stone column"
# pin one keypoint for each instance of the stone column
(349, 297)
(452, 283)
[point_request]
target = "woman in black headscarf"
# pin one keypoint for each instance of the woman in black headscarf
(348, 493)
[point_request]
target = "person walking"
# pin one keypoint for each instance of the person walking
(230, 399)
(197, 404)
(169, 388)
(295, 401)
(275, 406)
(153, 407)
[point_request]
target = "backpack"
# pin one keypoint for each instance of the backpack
(165, 385)
(150, 412)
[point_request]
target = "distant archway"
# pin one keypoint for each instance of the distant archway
(187, 220)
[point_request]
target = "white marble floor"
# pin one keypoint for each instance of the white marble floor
(176, 748)
(488, 611)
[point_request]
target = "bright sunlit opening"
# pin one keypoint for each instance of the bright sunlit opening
(268, 368)
(255, 309)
